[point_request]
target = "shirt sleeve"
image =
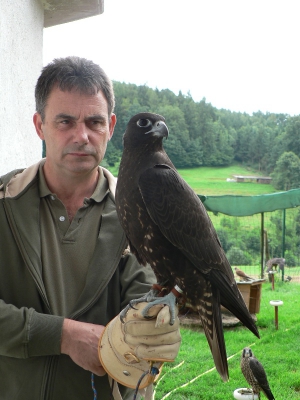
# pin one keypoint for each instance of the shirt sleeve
(26, 333)
(136, 280)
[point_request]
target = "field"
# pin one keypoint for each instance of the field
(193, 377)
(212, 181)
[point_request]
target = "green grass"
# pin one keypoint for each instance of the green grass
(212, 181)
(193, 377)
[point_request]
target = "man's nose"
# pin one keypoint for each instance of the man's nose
(81, 134)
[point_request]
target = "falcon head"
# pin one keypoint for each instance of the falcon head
(145, 128)
(247, 352)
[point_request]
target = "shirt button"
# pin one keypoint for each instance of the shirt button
(62, 218)
(52, 197)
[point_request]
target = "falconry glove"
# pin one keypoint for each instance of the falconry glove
(129, 349)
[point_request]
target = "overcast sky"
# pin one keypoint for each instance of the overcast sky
(241, 55)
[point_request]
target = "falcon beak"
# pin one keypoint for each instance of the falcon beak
(159, 129)
(247, 353)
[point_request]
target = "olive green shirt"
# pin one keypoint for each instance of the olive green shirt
(67, 248)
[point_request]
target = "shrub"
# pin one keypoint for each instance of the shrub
(236, 256)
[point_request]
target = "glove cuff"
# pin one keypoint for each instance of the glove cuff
(119, 360)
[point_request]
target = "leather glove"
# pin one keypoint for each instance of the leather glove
(127, 350)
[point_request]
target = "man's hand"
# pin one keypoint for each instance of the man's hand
(80, 341)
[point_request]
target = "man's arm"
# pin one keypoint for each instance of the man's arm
(26, 333)
(80, 342)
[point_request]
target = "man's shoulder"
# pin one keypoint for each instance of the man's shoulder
(112, 180)
(18, 179)
(4, 179)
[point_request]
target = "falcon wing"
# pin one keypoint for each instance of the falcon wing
(181, 217)
(260, 376)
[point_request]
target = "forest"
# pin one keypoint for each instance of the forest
(202, 135)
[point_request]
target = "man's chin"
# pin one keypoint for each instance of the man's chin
(82, 167)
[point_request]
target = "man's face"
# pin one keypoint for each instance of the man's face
(76, 129)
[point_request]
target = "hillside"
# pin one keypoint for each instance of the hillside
(212, 181)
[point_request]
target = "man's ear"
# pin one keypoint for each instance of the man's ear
(112, 124)
(37, 120)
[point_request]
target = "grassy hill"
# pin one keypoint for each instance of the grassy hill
(212, 181)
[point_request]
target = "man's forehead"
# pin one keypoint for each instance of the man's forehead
(87, 116)
(74, 102)
(76, 93)
(84, 90)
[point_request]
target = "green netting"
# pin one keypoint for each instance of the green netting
(240, 206)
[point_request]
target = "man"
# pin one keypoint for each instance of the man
(63, 266)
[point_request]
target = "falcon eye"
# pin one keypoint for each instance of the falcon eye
(143, 123)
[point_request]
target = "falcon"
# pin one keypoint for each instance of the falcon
(255, 374)
(272, 264)
(241, 274)
(168, 227)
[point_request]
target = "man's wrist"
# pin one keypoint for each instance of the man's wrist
(66, 336)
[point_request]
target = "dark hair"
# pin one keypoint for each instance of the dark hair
(73, 73)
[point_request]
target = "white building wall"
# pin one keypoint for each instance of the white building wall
(21, 60)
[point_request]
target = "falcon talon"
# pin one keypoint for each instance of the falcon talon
(123, 314)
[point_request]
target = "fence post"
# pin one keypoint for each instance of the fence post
(283, 241)
(262, 228)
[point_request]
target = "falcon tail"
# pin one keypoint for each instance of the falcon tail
(232, 299)
(211, 318)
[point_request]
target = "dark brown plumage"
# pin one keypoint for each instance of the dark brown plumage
(255, 374)
(168, 227)
(241, 274)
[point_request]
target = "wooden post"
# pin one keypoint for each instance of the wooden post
(272, 273)
(262, 249)
(276, 304)
(276, 317)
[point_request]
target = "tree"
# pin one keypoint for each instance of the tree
(200, 134)
(236, 256)
(223, 154)
(112, 155)
(293, 135)
(286, 174)
(178, 139)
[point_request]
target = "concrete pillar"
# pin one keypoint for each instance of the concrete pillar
(21, 61)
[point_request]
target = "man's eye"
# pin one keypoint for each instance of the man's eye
(95, 124)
